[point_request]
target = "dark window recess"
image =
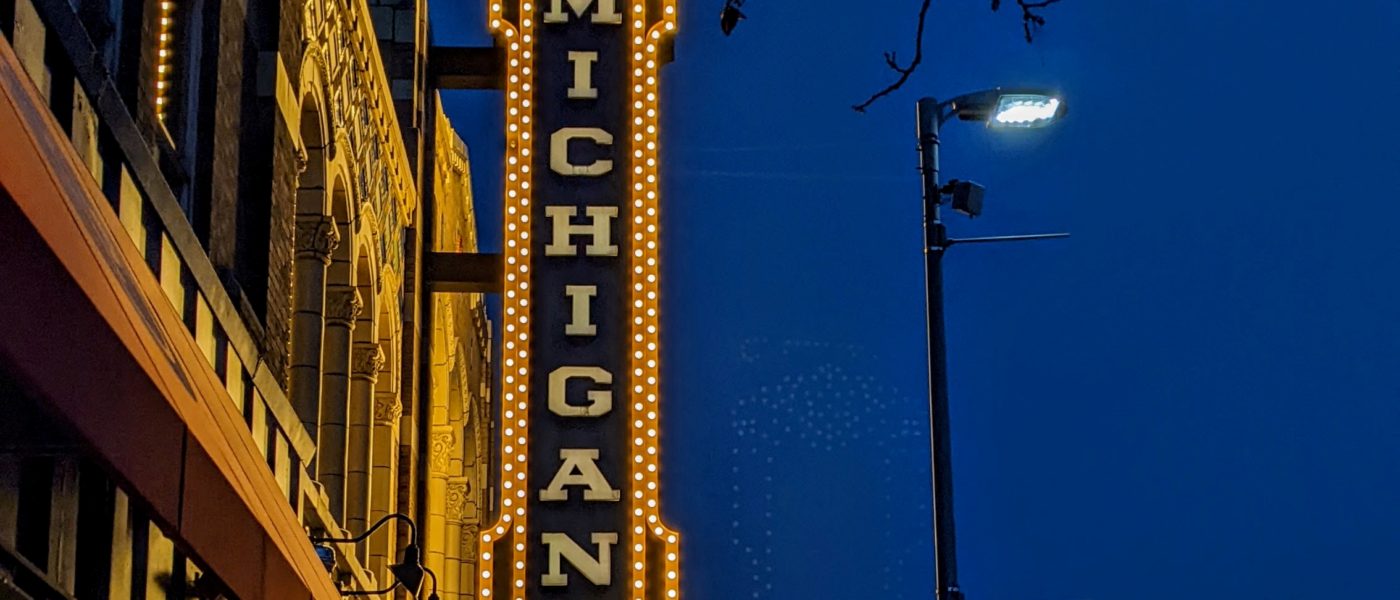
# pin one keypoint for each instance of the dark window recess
(254, 221)
(60, 82)
(295, 491)
(248, 400)
(203, 110)
(140, 553)
(271, 440)
(116, 165)
(97, 18)
(189, 120)
(191, 315)
(129, 49)
(220, 353)
(154, 232)
(35, 507)
(7, 19)
(96, 509)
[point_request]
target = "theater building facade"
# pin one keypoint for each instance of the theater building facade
(216, 342)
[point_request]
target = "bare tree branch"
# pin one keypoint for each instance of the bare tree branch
(893, 63)
(1030, 22)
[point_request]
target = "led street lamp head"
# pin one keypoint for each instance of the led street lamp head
(1008, 109)
(1025, 111)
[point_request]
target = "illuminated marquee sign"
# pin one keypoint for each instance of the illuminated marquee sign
(579, 493)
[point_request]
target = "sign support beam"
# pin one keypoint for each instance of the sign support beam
(462, 272)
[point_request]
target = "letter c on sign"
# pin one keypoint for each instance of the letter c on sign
(559, 152)
(599, 401)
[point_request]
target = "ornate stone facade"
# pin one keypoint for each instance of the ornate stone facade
(342, 58)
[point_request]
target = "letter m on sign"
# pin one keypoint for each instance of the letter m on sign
(607, 11)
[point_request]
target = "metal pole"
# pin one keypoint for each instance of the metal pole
(935, 243)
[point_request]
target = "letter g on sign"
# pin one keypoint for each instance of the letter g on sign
(599, 401)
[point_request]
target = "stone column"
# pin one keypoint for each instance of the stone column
(343, 306)
(456, 504)
(384, 476)
(316, 238)
(467, 575)
(441, 442)
(368, 360)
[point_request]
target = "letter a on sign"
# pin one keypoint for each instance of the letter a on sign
(580, 468)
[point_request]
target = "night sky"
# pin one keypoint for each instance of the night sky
(1198, 395)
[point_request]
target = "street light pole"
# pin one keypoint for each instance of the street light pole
(935, 243)
(1001, 109)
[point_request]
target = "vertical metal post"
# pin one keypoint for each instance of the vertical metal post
(935, 243)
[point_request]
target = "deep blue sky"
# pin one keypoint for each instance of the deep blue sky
(1196, 396)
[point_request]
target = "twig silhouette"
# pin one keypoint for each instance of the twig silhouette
(1031, 20)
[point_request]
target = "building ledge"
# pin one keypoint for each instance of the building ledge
(89, 327)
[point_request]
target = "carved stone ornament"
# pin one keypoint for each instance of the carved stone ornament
(469, 542)
(343, 307)
(456, 500)
(367, 361)
(317, 237)
(302, 159)
(387, 410)
(440, 446)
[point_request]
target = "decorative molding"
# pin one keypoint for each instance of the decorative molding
(367, 361)
(457, 500)
(469, 542)
(440, 448)
(317, 237)
(387, 409)
(302, 158)
(343, 306)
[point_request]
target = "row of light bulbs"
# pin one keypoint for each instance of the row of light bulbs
(164, 32)
(516, 355)
(646, 516)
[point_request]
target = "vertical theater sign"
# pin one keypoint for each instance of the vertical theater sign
(579, 490)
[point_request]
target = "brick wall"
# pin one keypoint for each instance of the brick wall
(281, 250)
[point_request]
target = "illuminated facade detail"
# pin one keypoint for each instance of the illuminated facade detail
(164, 33)
(580, 359)
(318, 387)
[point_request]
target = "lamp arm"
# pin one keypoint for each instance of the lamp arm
(434, 576)
(368, 593)
(412, 532)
